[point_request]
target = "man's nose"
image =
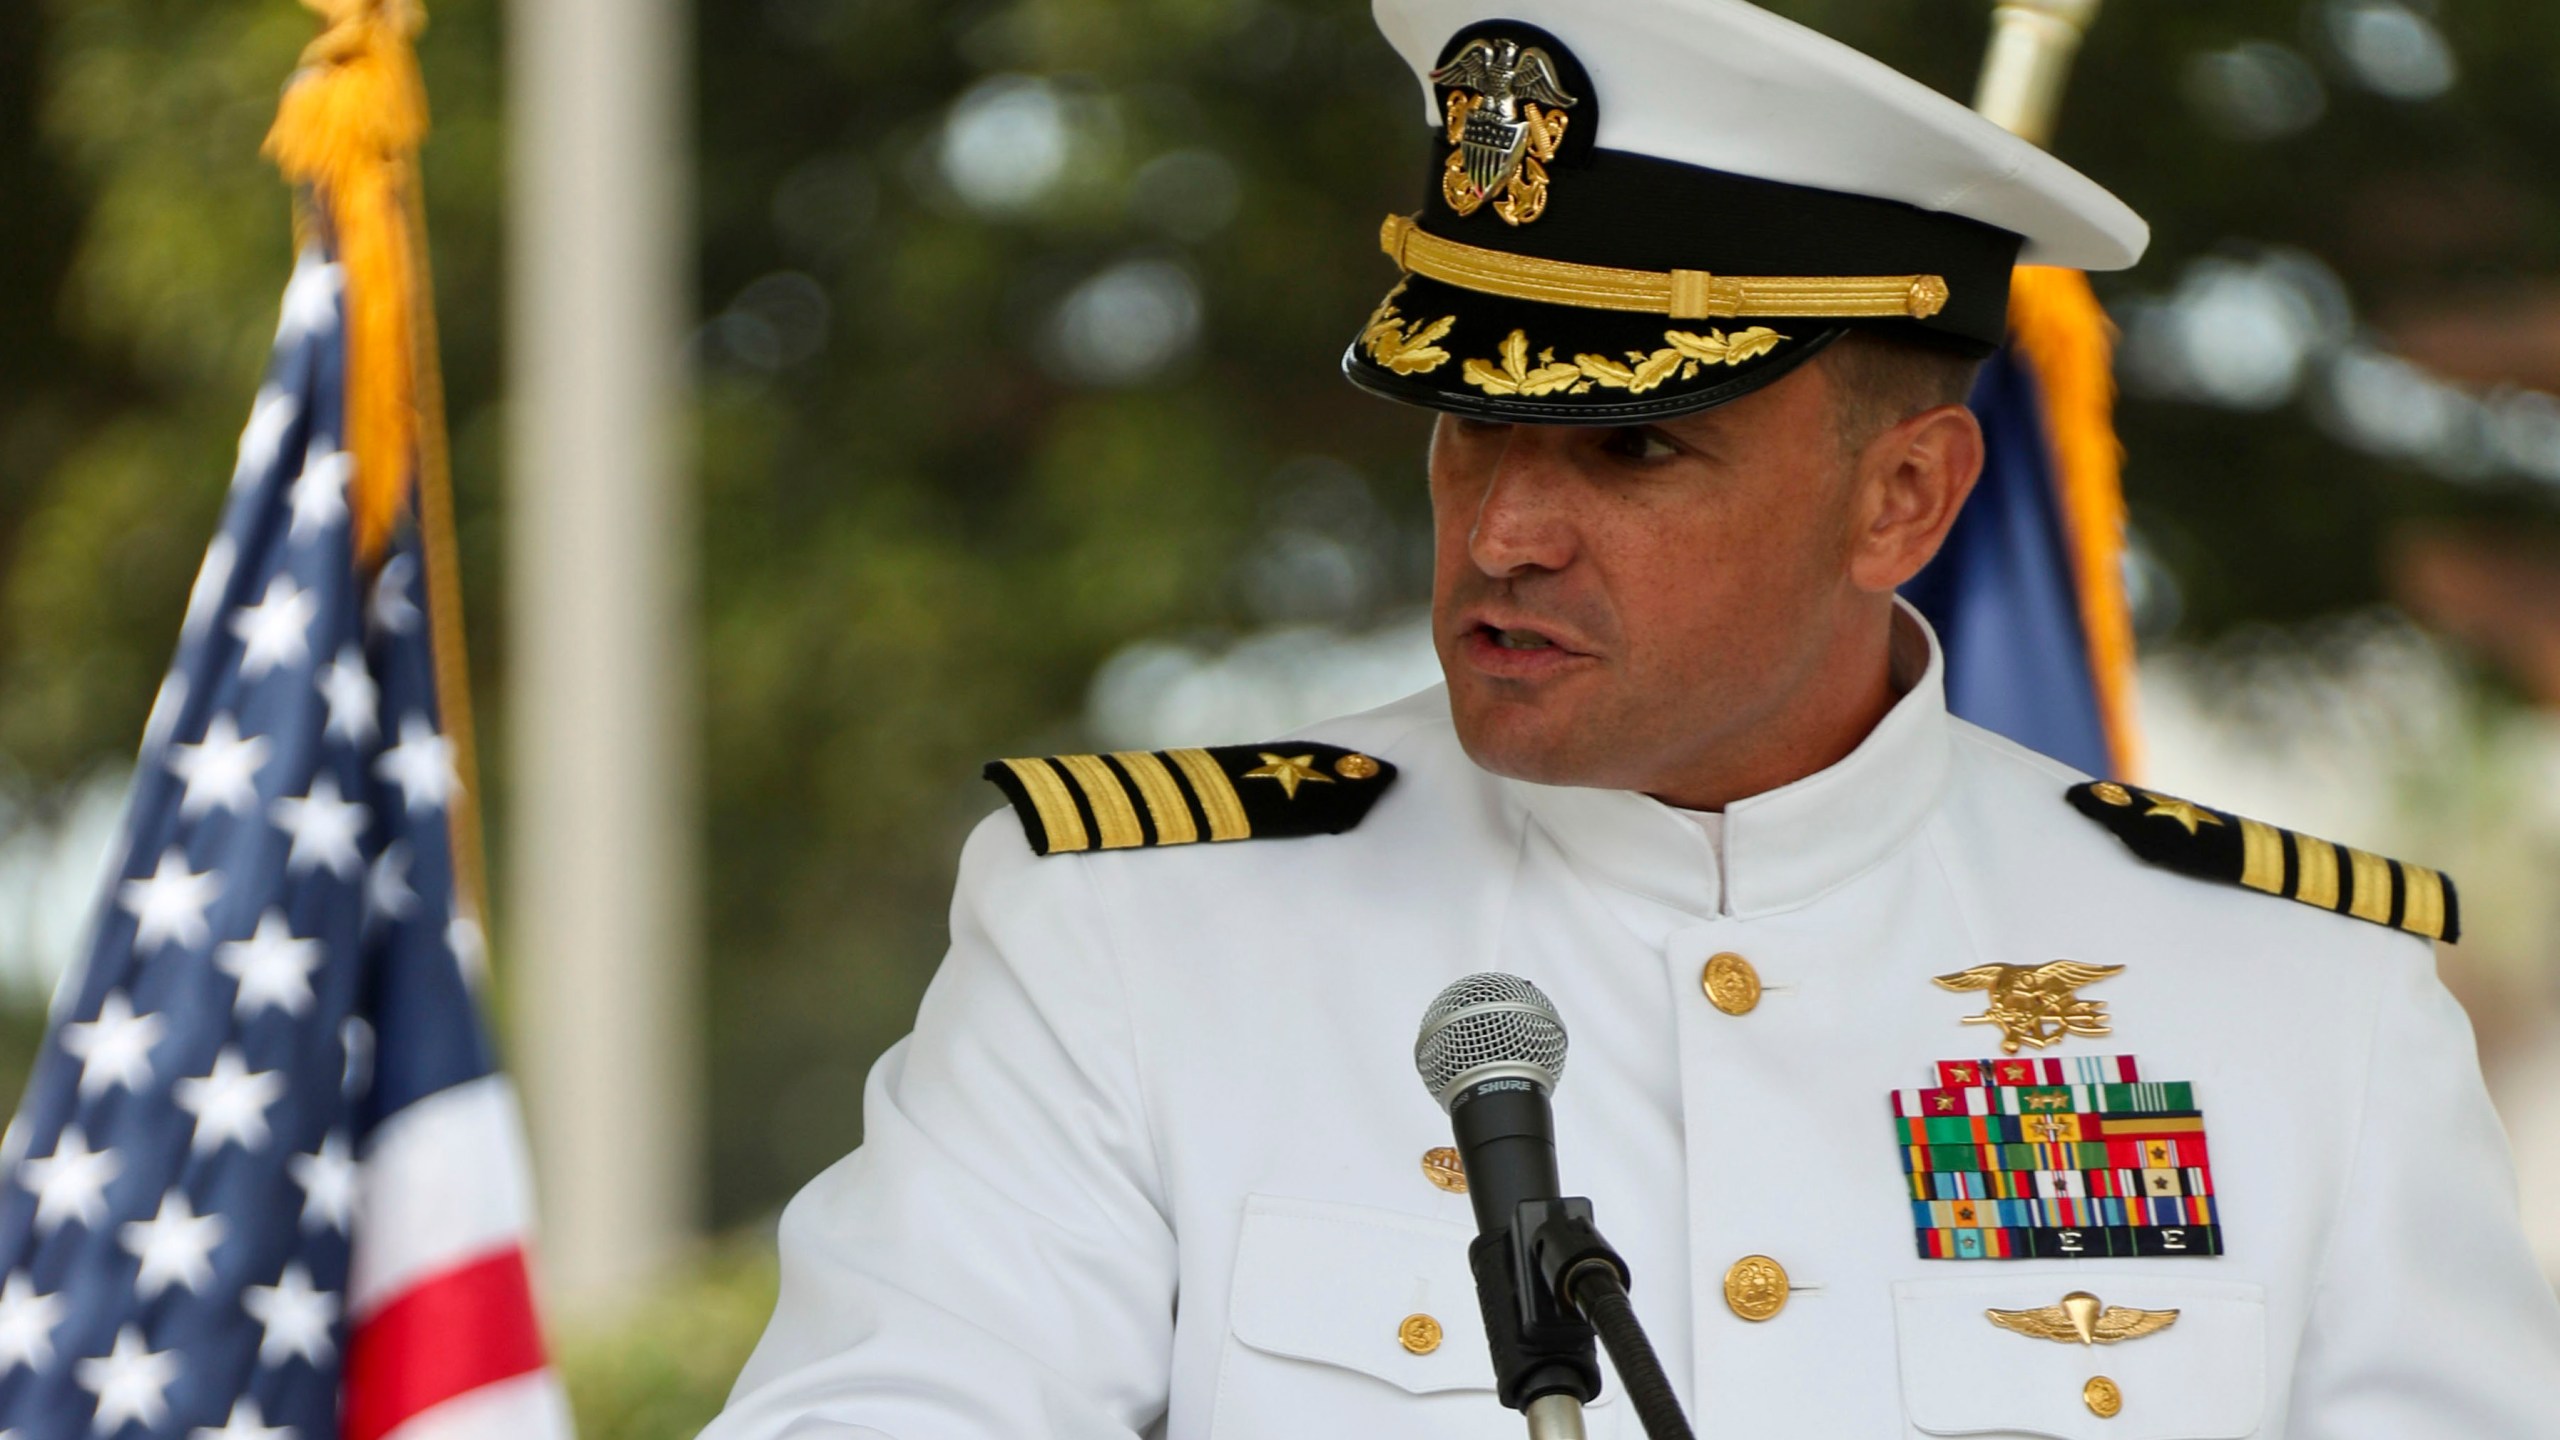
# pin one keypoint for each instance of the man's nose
(1523, 523)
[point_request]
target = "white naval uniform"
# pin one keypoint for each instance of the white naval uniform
(1150, 1163)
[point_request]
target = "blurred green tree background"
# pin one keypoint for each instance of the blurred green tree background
(1019, 322)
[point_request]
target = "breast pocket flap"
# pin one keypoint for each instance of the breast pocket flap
(2199, 1377)
(1370, 1290)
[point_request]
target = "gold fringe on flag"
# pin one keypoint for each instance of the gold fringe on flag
(2057, 325)
(347, 134)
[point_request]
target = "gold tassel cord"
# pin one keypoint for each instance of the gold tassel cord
(2057, 325)
(347, 134)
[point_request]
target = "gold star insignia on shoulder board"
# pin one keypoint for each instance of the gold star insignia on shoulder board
(1141, 799)
(2185, 812)
(2212, 844)
(1291, 771)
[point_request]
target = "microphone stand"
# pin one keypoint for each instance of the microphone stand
(1549, 1285)
(1576, 1263)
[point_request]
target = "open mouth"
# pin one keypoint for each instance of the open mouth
(1518, 651)
(1516, 639)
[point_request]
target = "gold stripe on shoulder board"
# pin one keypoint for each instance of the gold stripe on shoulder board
(1056, 809)
(1109, 800)
(2212, 844)
(1141, 799)
(1215, 792)
(1164, 798)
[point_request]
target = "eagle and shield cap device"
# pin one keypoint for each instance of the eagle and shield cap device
(1641, 208)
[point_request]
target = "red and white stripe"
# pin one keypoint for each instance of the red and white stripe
(442, 1342)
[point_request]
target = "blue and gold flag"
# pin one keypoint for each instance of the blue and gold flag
(2028, 595)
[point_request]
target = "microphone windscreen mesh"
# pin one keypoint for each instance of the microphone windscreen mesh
(1485, 1024)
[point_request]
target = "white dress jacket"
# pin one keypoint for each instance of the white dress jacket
(1151, 1162)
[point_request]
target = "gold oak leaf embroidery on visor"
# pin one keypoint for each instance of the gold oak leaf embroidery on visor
(1684, 353)
(1680, 357)
(1407, 347)
(1514, 377)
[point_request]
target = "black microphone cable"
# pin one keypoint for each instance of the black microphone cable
(1597, 1292)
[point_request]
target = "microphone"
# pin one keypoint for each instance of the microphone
(1491, 1050)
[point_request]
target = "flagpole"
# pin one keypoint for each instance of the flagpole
(2058, 327)
(441, 554)
(2032, 45)
(602, 860)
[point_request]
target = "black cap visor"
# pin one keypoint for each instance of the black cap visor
(1527, 362)
(1502, 349)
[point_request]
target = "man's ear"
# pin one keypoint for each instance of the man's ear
(1912, 480)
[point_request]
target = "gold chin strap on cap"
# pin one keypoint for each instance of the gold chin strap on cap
(1680, 294)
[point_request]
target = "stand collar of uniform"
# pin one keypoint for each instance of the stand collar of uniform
(1784, 847)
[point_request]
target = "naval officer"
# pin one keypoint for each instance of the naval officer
(1930, 1087)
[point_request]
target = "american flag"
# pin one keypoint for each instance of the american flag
(266, 1182)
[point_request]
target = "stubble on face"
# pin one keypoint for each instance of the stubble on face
(1645, 608)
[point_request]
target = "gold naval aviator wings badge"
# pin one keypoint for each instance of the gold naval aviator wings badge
(2084, 1318)
(1506, 118)
(2034, 1004)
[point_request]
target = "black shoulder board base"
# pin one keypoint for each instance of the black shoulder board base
(2215, 845)
(1130, 799)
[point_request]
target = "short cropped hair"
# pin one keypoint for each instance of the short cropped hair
(1883, 380)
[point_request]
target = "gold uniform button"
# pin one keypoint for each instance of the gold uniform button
(1756, 1287)
(1356, 767)
(1443, 1168)
(1419, 1334)
(1731, 984)
(2104, 1400)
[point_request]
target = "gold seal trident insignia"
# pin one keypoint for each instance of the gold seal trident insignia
(1506, 118)
(2033, 1004)
(2082, 1317)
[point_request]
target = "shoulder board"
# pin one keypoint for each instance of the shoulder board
(1130, 799)
(2214, 845)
